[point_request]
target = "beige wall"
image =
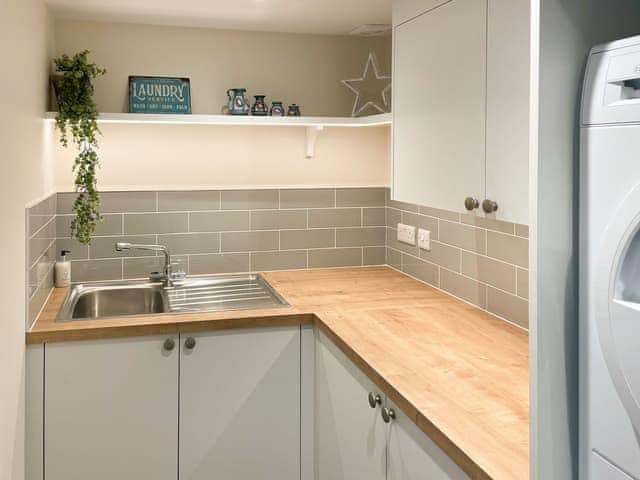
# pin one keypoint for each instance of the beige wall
(149, 157)
(24, 30)
(305, 69)
(294, 68)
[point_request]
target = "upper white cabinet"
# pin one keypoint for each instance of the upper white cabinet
(111, 409)
(461, 104)
(508, 108)
(439, 105)
(240, 405)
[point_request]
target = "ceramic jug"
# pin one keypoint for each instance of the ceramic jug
(238, 104)
(259, 108)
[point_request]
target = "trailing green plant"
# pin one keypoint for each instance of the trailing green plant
(78, 117)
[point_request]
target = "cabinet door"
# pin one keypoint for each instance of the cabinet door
(111, 410)
(240, 405)
(350, 442)
(439, 96)
(508, 108)
(413, 456)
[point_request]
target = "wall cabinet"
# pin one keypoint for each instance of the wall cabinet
(352, 439)
(240, 405)
(461, 104)
(111, 409)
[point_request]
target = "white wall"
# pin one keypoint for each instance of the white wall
(24, 29)
(568, 29)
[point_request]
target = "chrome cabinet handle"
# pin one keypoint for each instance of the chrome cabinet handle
(471, 203)
(169, 344)
(388, 414)
(374, 399)
(489, 206)
(190, 343)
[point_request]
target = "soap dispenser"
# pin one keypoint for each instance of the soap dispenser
(63, 270)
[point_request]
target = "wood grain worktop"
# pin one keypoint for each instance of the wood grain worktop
(458, 372)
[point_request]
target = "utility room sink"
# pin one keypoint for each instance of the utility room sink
(191, 295)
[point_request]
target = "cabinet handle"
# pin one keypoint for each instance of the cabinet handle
(190, 343)
(169, 344)
(388, 414)
(374, 400)
(489, 206)
(471, 203)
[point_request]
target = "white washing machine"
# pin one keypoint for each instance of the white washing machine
(610, 264)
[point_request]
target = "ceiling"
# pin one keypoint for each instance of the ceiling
(299, 16)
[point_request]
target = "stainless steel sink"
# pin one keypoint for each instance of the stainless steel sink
(191, 295)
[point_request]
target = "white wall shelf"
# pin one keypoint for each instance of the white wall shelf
(314, 125)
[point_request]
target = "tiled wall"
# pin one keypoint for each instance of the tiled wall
(41, 254)
(480, 260)
(230, 231)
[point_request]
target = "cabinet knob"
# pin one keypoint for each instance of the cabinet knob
(169, 344)
(388, 414)
(489, 206)
(190, 343)
(374, 400)
(471, 203)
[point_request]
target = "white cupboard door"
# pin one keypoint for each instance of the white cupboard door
(240, 405)
(413, 456)
(439, 113)
(508, 108)
(350, 442)
(111, 410)
(404, 10)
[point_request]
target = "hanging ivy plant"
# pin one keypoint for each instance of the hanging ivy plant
(77, 117)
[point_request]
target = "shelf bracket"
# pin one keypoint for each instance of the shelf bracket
(312, 136)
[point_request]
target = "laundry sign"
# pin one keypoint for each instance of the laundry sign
(159, 95)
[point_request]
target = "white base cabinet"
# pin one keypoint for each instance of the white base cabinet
(240, 405)
(111, 410)
(352, 440)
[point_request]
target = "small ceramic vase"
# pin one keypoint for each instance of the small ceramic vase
(259, 108)
(238, 104)
(277, 109)
(294, 111)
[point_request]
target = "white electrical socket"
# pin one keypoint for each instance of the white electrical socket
(406, 234)
(424, 239)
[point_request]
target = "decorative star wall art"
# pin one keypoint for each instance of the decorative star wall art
(372, 89)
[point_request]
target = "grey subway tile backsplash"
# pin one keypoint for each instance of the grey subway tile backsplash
(374, 255)
(335, 217)
(278, 219)
(338, 257)
(249, 199)
(219, 263)
(153, 223)
(360, 197)
(283, 260)
(360, 237)
(219, 221)
(249, 241)
(307, 198)
(181, 201)
(305, 239)
(374, 217)
(480, 260)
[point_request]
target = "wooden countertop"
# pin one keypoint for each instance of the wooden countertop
(461, 374)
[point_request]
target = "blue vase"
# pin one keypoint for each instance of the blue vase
(238, 104)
